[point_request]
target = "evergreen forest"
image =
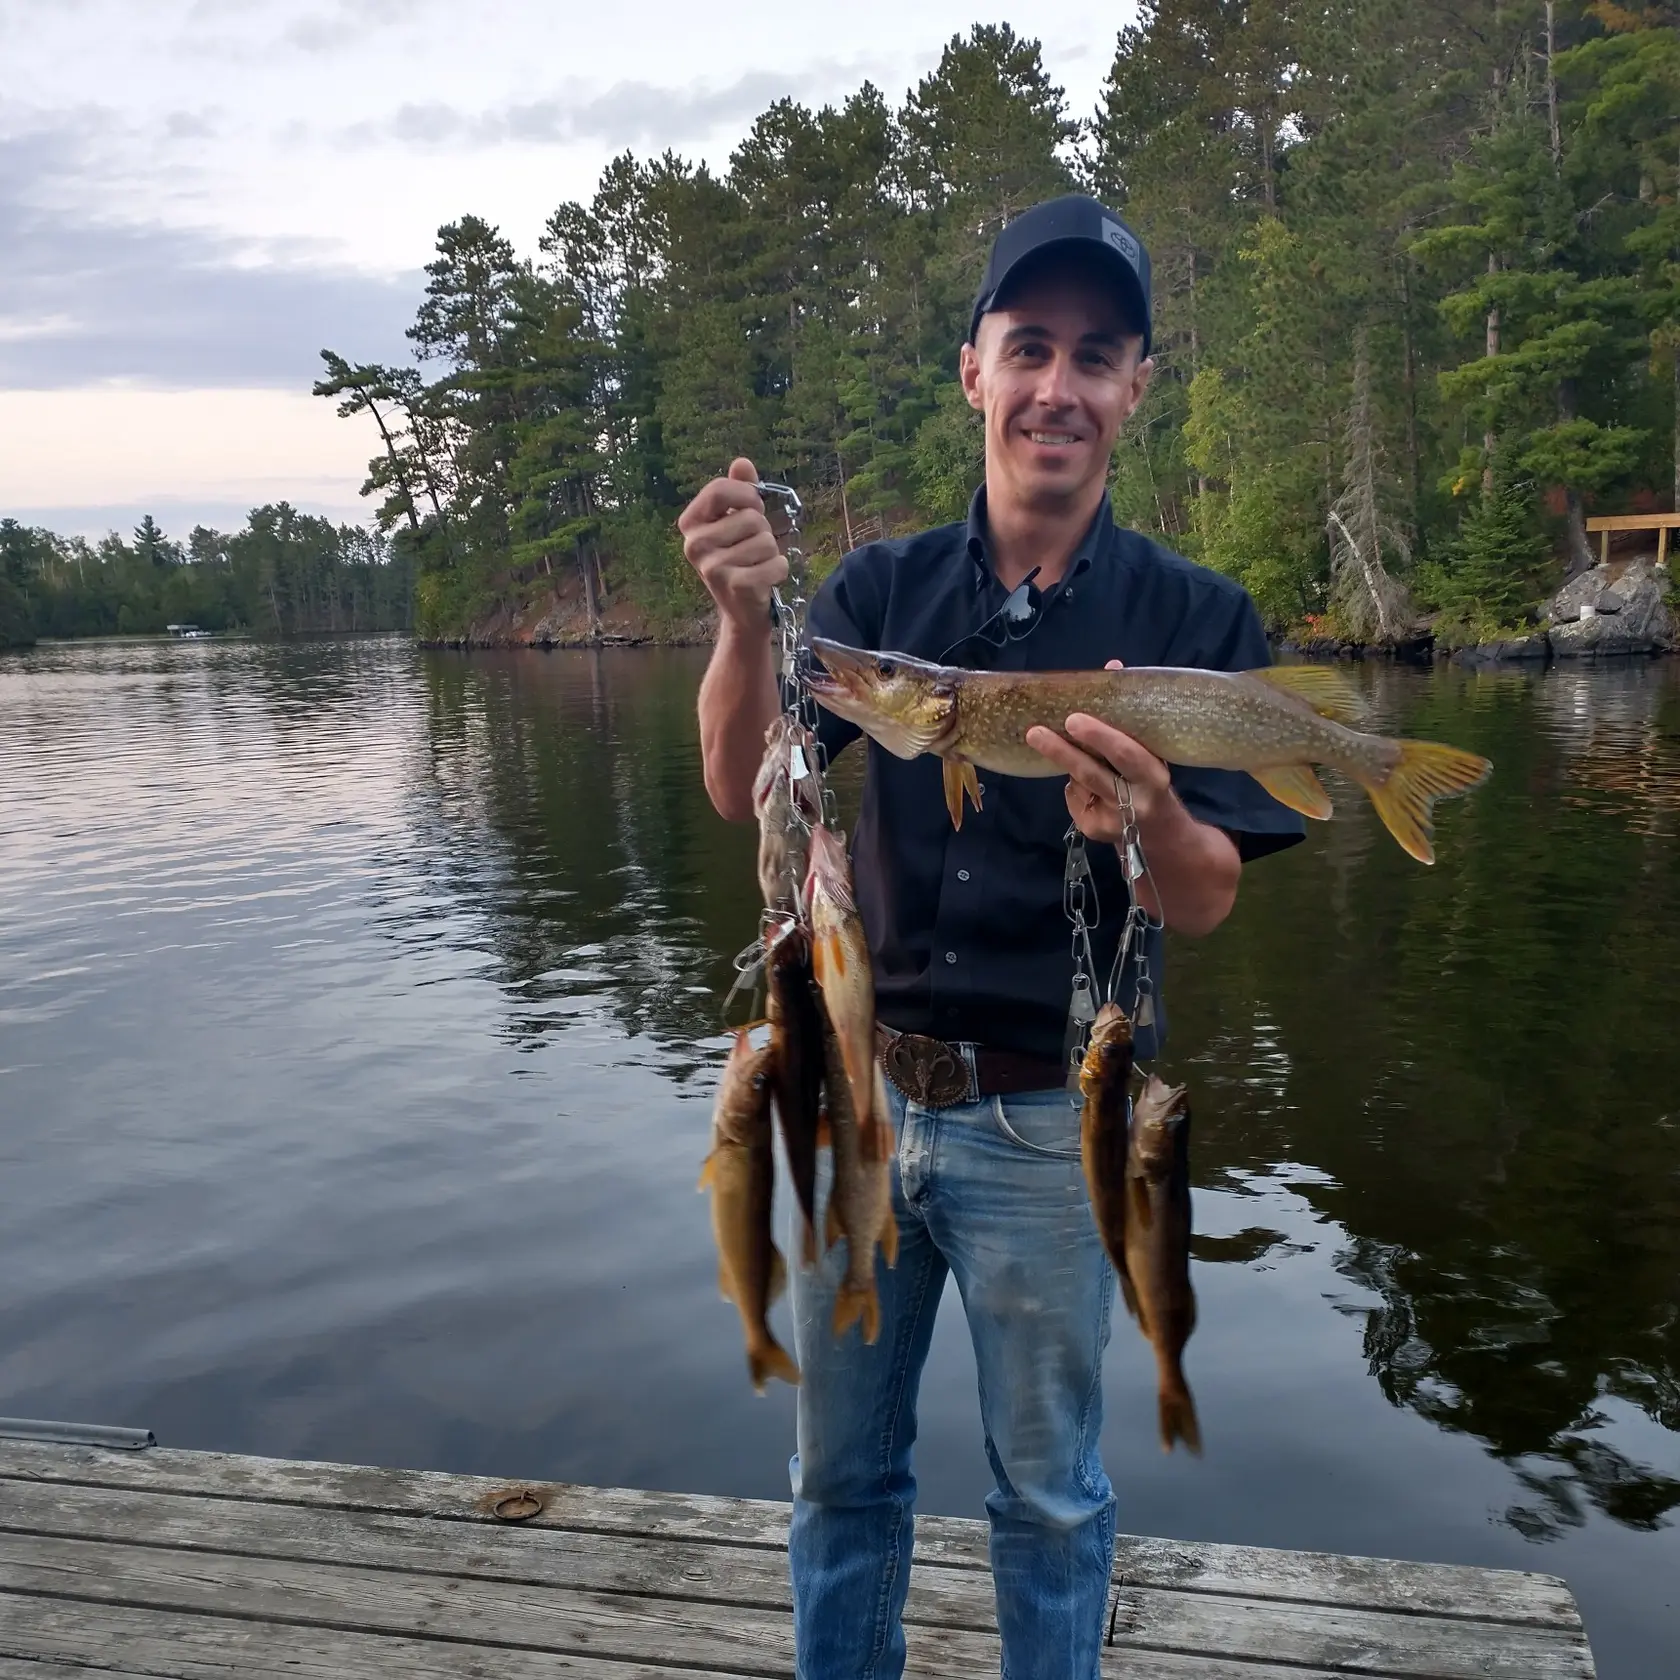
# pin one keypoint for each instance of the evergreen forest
(284, 574)
(1417, 301)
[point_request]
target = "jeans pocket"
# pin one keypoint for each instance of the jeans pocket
(1040, 1122)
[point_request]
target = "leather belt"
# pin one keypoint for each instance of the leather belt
(936, 1074)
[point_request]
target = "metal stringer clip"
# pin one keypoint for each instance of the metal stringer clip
(787, 613)
(1134, 936)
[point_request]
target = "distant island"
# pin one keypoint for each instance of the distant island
(285, 573)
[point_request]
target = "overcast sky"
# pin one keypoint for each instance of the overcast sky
(197, 195)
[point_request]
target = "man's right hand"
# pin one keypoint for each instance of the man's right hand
(728, 540)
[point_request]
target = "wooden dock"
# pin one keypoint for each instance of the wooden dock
(167, 1563)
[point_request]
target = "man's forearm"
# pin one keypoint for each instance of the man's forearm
(1195, 868)
(739, 700)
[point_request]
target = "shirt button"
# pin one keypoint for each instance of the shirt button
(980, 788)
(950, 956)
(962, 874)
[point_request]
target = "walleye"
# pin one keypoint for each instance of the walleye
(796, 1062)
(840, 961)
(787, 806)
(1155, 1276)
(860, 1206)
(741, 1172)
(1104, 1076)
(1275, 723)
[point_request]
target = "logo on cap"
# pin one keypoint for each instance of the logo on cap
(1117, 236)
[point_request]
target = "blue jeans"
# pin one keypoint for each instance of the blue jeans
(993, 1192)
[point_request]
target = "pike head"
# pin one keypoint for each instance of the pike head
(906, 704)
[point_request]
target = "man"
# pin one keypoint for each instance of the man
(970, 945)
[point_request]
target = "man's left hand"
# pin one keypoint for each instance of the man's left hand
(1095, 756)
(1193, 868)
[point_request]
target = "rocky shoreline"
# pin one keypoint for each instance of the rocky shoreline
(1615, 611)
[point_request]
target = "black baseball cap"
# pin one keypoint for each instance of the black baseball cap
(1073, 222)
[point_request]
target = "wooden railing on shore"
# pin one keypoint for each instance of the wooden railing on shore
(1661, 523)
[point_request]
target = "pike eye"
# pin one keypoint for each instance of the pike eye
(883, 668)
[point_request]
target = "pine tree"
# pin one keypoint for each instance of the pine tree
(152, 547)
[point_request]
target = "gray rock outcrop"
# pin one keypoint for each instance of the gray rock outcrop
(1592, 616)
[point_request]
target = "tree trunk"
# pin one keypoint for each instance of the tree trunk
(1580, 550)
(591, 604)
(1489, 440)
(845, 511)
(1551, 90)
(1195, 351)
(396, 466)
(1409, 380)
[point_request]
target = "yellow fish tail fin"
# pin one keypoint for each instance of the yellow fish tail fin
(1297, 787)
(848, 1308)
(771, 1360)
(1178, 1420)
(1328, 692)
(857, 1303)
(1426, 771)
(871, 1315)
(708, 1171)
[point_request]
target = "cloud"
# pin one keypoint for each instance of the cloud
(85, 300)
(626, 114)
(328, 29)
(190, 125)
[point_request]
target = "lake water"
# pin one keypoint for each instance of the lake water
(359, 1025)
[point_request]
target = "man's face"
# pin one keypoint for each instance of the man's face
(1055, 371)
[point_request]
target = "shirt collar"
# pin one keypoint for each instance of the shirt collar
(1091, 547)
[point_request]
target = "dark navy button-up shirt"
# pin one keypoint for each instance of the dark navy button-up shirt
(966, 927)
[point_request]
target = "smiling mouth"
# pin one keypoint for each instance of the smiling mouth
(1052, 438)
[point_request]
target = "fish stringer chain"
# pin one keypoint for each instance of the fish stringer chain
(788, 615)
(1139, 925)
(1079, 901)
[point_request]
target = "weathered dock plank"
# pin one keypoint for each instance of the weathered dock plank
(1256, 1572)
(610, 1583)
(1337, 1637)
(161, 1643)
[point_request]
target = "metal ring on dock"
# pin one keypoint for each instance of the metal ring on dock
(518, 1505)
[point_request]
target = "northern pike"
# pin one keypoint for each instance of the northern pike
(860, 1206)
(1104, 1078)
(741, 1172)
(1155, 1277)
(840, 961)
(787, 800)
(797, 1030)
(1275, 723)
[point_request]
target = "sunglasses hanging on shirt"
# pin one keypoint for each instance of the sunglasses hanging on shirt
(1013, 621)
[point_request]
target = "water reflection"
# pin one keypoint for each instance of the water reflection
(1483, 1060)
(565, 799)
(1479, 1061)
(359, 1013)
